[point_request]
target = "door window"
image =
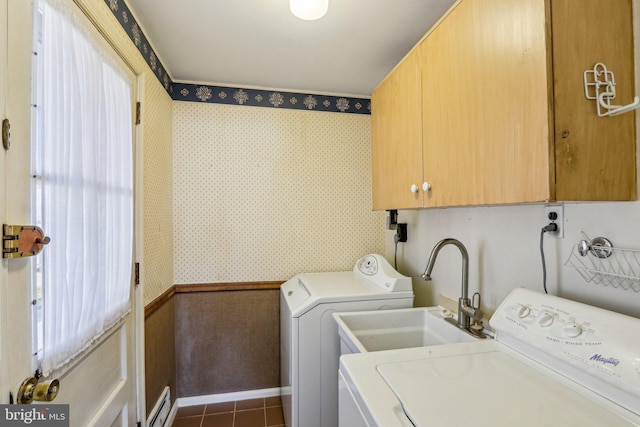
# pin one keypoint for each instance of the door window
(83, 188)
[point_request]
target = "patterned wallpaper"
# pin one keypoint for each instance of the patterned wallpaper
(158, 190)
(262, 194)
(249, 194)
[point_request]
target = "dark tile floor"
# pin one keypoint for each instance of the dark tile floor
(265, 412)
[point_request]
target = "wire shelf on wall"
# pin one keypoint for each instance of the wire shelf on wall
(599, 262)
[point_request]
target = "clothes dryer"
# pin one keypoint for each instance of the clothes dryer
(310, 345)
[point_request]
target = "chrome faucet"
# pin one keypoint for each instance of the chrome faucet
(466, 310)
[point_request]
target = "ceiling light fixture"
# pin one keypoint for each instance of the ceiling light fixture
(309, 10)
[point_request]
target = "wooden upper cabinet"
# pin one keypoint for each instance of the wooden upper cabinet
(504, 117)
(485, 112)
(397, 137)
(595, 156)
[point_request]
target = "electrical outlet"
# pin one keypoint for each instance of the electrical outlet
(554, 214)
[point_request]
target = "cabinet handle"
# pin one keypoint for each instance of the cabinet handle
(414, 188)
(426, 186)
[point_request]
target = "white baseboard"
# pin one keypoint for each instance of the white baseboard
(225, 397)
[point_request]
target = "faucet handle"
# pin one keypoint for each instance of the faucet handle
(477, 311)
(473, 301)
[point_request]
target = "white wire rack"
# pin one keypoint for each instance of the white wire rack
(604, 265)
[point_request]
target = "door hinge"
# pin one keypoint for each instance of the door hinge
(137, 273)
(6, 134)
(137, 113)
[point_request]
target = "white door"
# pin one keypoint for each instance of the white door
(100, 384)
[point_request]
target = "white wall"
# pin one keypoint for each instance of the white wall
(503, 245)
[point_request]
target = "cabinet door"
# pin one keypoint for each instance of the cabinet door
(485, 112)
(397, 137)
(595, 156)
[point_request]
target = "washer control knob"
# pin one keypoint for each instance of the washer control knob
(524, 311)
(546, 320)
(572, 330)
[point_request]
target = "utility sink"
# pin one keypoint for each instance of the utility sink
(367, 331)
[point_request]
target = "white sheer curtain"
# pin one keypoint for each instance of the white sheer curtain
(84, 171)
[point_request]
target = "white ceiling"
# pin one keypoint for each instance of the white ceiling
(259, 43)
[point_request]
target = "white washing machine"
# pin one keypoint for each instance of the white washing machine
(310, 346)
(554, 362)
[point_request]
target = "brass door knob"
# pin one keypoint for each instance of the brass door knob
(44, 391)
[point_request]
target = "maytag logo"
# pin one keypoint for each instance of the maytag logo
(37, 415)
(605, 360)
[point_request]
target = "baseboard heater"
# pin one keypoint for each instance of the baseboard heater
(160, 411)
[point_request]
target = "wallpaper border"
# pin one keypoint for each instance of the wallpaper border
(122, 12)
(229, 95)
(269, 98)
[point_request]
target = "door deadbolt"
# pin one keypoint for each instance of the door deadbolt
(22, 240)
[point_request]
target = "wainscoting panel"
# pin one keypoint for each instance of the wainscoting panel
(227, 341)
(160, 350)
